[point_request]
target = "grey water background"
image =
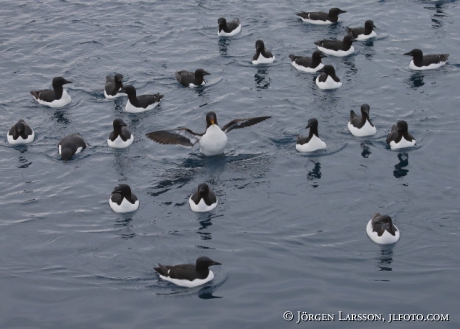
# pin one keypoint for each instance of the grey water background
(289, 228)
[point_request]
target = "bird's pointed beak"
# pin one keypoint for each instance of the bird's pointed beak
(343, 11)
(374, 26)
(216, 263)
(323, 56)
(409, 53)
(206, 73)
(67, 81)
(212, 121)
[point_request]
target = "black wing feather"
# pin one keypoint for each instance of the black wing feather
(180, 136)
(241, 123)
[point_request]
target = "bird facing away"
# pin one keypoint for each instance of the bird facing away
(262, 55)
(308, 64)
(426, 62)
(212, 141)
(203, 199)
(328, 79)
(321, 18)
(361, 125)
(381, 229)
(312, 142)
(363, 33)
(188, 275)
(120, 137)
(137, 104)
(58, 97)
(113, 86)
(190, 79)
(228, 29)
(70, 145)
(399, 136)
(20, 133)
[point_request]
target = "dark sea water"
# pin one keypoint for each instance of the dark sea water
(289, 228)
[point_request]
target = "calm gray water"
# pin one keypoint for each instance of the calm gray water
(289, 228)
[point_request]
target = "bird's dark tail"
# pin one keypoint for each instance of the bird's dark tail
(292, 57)
(161, 270)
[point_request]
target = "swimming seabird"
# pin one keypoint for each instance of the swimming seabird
(20, 133)
(113, 86)
(70, 145)
(381, 229)
(321, 18)
(188, 275)
(120, 137)
(212, 142)
(228, 29)
(203, 199)
(426, 62)
(262, 56)
(312, 142)
(192, 79)
(336, 47)
(123, 200)
(363, 33)
(141, 103)
(399, 136)
(328, 79)
(308, 64)
(361, 125)
(58, 97)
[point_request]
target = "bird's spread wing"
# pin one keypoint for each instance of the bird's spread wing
(241, 123)
(180, 136)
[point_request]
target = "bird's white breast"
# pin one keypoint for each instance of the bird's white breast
(363, 36)
(201, 206)
(316, 22)
(386, 237)
(188, 283)
(403, 143)
(20, 140)
(115, 96)
(314, 144)
(337, 53)
(328, 84)
(132, 109)
(232, 33)
(429, 67)
(125, 206)
(263, 60)
(63, 101)
(307, 69)
(366, 130)
(213, 141)
(119, 143)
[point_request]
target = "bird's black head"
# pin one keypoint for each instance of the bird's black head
(118, 123)
(365, 109)
(66, 153)
(386, 222)
(348, 39)
(123, 189)
(20, 126)
(222, 21)
(328, 69)
(118, 78)
(370, 24)
(260, 45)
(318, 55)
(312, 123)
(402, 126)
(415, 53)
(201, 72)
(211, 119)
(205, 262)
(336, 11)
(130, 90)
(59, 82)
(203, 189)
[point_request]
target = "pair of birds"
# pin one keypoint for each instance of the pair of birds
(123, 200)
(360, 126)
(380, 229)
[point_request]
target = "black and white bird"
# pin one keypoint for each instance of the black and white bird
(123, 200)
(212, 142)
(321, 18)
(188, 275)
(228, 29)
(262, 55)
(191, 79)
(312, 142)
(399, 136)
(361, 126)
(381, 230)
(363, 33)
(70, 145)
(327, 79)
(203, 199)
(137, 104)
(308, 64)
(58, 97)
(120, 137)
(113, 86)
(336, 47)
(426, 62)
(20, 133)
